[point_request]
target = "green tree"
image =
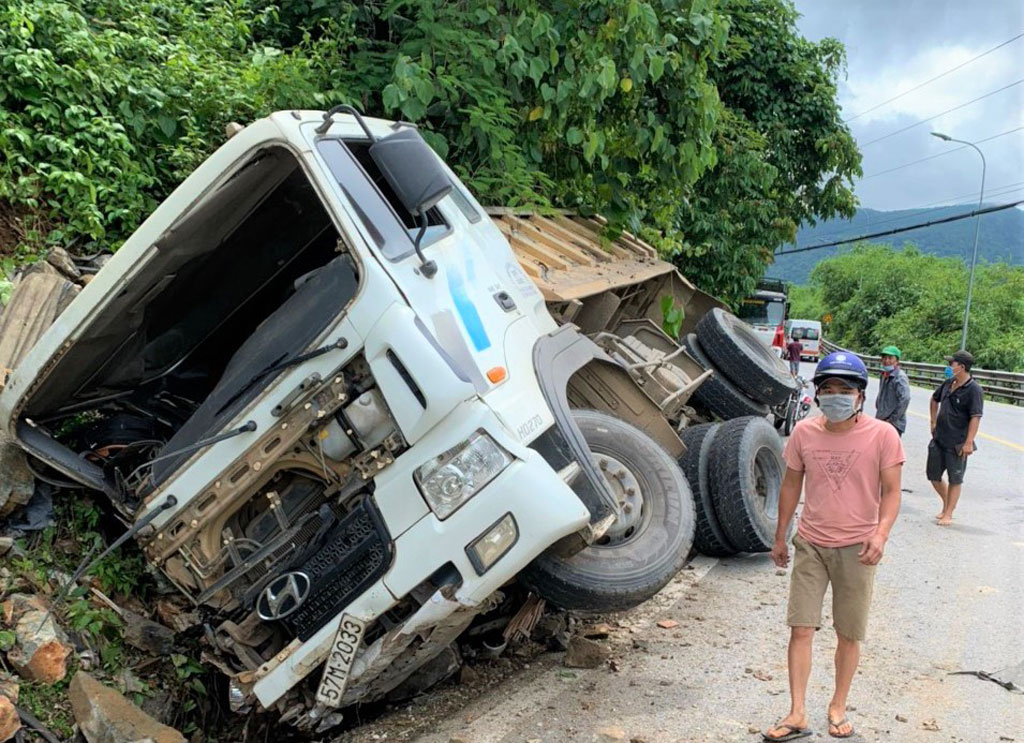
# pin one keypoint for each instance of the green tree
(784, 155)
(879, 296)
(707, 126)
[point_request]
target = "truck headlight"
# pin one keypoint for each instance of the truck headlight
(449, 480)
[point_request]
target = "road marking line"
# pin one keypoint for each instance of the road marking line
(986, 436)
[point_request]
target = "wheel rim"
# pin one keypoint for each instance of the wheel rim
(767, 480)
(629, 494)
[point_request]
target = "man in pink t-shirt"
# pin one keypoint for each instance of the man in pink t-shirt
(849, 466)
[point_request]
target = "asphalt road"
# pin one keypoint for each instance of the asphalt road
(946, 599)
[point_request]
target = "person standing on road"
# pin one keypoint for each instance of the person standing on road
(956, 409)
(795, 350)
(849, 467)
(893, 391)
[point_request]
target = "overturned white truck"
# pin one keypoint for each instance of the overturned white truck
(336, 411)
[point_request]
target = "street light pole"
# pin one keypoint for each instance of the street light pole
(977, 227)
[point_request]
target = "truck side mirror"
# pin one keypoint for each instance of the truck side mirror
(411, 169)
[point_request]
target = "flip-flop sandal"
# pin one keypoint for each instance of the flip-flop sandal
(838, 725)
(795, 732)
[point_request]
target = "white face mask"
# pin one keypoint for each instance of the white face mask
(837, 408)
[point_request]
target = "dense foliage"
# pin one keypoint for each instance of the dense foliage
(784, 155)
(877, 296)
(710, 126)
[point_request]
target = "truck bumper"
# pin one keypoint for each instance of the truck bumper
(544, 507)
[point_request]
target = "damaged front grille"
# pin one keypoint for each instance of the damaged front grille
(355, 553)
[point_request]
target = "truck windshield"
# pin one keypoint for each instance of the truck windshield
(762, 311)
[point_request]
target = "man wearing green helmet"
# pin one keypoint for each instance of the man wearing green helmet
(893, 391)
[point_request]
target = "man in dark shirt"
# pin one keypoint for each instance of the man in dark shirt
(956, 409)
(794, 349)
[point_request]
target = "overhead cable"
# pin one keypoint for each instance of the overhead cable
(897, 230)
(931, 80)
(916, 211)
(941, 154)
(942, 113)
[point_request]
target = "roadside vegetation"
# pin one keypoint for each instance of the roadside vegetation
(710, 127)
(879, 296)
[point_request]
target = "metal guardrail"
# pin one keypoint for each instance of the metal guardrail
(1002, 386)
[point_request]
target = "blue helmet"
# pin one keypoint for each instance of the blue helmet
(843, 365)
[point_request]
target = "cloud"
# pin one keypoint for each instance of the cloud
(989, 73)
(894, 46)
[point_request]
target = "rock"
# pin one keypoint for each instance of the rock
(147, 635)
(638, 740)
(762, 676)
(584, 653)
(598, 631)
(172, 615)
(900, 718)
(668, 623)
(10, 723)
(610, 734)
(9, 687)
(17, 483)
(930, 725)
(104, 716)
(469, 675)
(41, 649)
(780, 571)
(61, 260)
(753, 729)
(458, 739)
(160, 705)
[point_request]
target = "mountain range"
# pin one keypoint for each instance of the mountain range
(1001, 237)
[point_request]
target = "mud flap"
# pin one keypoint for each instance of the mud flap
(556, 357)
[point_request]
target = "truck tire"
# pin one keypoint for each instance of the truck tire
(720, 396)
(709, 538)
(638, 555)
(735, 349)
(745, 469)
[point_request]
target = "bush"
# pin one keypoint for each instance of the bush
(879, 296)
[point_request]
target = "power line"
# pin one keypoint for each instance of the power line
(942, 113)
(931, 80)
(896, 231)
(916, 211)
(940, 154)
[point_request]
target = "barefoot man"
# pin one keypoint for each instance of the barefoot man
(849, 466)
(956, 409)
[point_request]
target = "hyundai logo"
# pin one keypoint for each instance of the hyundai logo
(283, 596)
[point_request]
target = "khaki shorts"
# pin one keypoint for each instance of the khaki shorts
(852, 584)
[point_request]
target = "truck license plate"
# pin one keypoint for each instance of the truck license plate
(339, 662)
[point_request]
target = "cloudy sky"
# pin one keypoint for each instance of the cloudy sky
(893, 46)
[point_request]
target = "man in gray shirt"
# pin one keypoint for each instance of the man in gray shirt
(893, 391)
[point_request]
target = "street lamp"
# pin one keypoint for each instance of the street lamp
(977, 226)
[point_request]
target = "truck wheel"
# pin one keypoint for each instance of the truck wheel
(745, 469)
(709, 538)
(744, 358)
(720, 396)
(643, 550)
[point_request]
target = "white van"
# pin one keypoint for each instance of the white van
(808, 332)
